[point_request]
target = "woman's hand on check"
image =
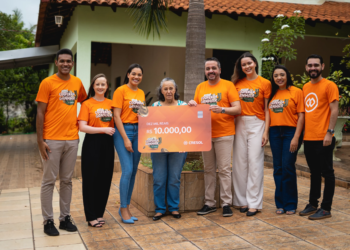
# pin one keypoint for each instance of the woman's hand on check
(192, 103)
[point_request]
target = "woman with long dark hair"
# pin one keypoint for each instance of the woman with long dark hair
(286, 108)
(251, 135)
(127, 100)
(97, 158)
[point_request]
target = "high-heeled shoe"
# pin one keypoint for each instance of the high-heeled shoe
(134, 218)
(129, 221)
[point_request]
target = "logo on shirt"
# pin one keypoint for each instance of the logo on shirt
(153, 142)
(68, 97)
(135, 105)
(211, 99)
(311, 102)
(105, 115)
(277, 106)
(248, 95)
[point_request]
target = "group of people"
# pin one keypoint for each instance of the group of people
(246, 113)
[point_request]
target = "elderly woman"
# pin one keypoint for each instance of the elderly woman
(167, 167)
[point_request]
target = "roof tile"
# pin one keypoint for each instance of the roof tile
(329, 11)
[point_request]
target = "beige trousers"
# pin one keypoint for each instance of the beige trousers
(248, 162)
(61, 161)
(218, 157)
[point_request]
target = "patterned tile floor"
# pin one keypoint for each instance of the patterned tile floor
(21, 221)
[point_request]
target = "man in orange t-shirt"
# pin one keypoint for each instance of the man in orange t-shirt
(321, 98)
(57, 135)
(224, 102)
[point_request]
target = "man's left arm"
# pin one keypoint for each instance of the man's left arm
(334, 116)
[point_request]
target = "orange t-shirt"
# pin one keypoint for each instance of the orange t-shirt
(317, 97)
(253, 95)
(97, 114)
(129, 101)
(61, 113)
(285, 106)
(221, 94)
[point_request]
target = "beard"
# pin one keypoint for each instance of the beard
(318, 73)
(211, 75)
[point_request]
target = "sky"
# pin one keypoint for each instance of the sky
(29, 9)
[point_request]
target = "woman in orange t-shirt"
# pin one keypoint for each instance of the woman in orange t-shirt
(127, 100)
(251, 135)
(97, 158)
(286, 108)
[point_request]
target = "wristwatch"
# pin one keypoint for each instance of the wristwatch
(330, 131)
(222, 110)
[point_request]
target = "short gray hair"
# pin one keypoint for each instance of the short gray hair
(159, 89)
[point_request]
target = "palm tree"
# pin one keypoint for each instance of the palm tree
(149, 17)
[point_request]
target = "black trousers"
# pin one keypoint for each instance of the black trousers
(320, 161)
(97, 163)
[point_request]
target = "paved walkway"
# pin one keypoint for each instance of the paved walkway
(21, 222)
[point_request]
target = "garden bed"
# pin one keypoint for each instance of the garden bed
(191, 191)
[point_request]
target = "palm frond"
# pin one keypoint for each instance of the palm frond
(149, 16)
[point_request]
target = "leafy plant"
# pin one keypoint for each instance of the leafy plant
(344, 91)
(276, 47)
(346, 58)
(147, 162)
(188, 166)
(193, 165)
(303, 80)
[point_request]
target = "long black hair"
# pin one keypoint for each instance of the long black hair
(91, 92)
(238, 72)
(275, 87)
(131, 67)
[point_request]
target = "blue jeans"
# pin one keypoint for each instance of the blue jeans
(167, 169)
(128, 161)
(286, 194)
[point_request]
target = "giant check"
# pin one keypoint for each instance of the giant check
(175, 129)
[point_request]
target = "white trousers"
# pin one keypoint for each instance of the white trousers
(248, 162)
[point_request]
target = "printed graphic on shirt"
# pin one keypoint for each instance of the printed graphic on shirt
(135, 104)
(105, 115)
(277, 106)
(211, 99)
(248, 95)
(68, 97)
(154, 142)
(311, 102)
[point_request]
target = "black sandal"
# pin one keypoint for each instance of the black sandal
(102, 222)
(94, 225)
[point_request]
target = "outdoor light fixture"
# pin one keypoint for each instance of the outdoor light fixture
(59, 20)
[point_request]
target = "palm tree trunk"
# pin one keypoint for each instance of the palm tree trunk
(195, 48)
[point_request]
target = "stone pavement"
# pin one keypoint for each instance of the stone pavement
(21, 222)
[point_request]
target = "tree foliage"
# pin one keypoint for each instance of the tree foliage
(277, 45)
(149, 16)
(19, 85)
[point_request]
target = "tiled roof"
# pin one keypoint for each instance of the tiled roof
(329, 11)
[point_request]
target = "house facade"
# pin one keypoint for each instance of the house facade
(102, 37)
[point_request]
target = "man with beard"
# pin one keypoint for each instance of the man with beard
(321, 98)
(224, 103)
(57, 135)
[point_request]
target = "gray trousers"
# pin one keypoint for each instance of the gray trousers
(61, 161)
